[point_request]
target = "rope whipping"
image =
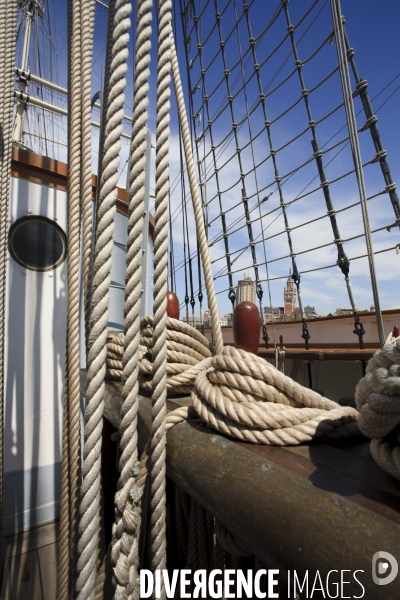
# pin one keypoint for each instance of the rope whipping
(352, 126)
(89, 510)
(71, 467)
(125, 538)
(378, 400)
(8, 40)
(201, 234)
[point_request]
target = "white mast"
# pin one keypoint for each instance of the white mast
(31, 9)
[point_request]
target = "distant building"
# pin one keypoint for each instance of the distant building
(310, 311)
(207, 318)
(272, 313)
(228, 318)
(246, 290)
(289, 296)
(343, 311)
(193, 321)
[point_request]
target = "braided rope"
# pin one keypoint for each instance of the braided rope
(8, 14)
(117, 41)
(186, 349)
(88, 10)
(244, 397)
(70, 475)
(125, 542)
(158, 439)
(200, 229)
(378, 400)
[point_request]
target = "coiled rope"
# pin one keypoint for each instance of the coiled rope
(245, 397)
(378, 400)
(186, 349)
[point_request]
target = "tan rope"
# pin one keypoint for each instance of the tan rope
(87, 15)
(125, 542)
(378, 400)
(243, 396)
(117, 42)
(70, 474)
(198, 214)
(8, 38)
(186, 349)
(157, 453)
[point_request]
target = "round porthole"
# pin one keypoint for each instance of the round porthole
(37, 243)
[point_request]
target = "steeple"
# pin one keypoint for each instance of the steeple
(289, 295)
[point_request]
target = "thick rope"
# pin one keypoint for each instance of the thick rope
(70, 475)
(8, 39)
(125, 542)
(243, 396)
(87, 15)
(186, 349)
(117, 41)
(198, 214)
(378, 400)
(158, 439)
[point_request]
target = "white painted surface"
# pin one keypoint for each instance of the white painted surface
(35, 342)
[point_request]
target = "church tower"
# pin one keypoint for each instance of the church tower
(289, 296)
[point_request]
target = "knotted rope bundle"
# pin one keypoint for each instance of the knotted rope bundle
(243, 396)
(378, 400)
(186, 351)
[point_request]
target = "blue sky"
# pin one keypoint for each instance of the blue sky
(373, 32)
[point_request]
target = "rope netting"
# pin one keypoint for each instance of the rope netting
(245, 102)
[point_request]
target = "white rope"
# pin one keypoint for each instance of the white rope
(198, 214)
(158, 439)
(125, 542)
(378, 400)
(117, 41)
(70, 474)
(243, 396)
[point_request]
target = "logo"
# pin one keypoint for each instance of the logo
(381, 561)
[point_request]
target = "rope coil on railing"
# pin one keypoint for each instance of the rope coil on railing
(186, 348)
(378, 400)
(243, 396)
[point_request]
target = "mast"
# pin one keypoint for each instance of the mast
(30, 9)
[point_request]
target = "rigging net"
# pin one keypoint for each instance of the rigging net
(245, 103)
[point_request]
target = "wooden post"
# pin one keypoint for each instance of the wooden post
(172, 305)
(246, 327)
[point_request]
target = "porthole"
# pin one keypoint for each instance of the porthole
(37, 243)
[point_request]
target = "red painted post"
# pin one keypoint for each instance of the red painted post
(246, 327)
(172, 305)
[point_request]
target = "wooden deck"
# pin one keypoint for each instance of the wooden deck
(30, 566)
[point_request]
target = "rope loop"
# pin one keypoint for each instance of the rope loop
(378, 399)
